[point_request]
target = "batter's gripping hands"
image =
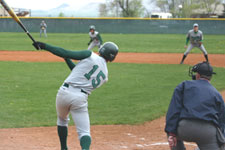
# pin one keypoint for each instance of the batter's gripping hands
(39, 45)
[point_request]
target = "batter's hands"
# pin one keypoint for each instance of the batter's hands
(185, 46)
(172, 140)
(39, 45)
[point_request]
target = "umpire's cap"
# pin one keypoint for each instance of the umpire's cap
(203, 68)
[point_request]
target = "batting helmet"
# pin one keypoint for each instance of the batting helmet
(92, 27)
(204, 69)
(109, 51)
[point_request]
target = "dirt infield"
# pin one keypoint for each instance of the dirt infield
(154, 58)
(148, 136)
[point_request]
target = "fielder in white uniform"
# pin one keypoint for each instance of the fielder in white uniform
(89, 73)
(195, 37)
(43, 28)
(95, 38)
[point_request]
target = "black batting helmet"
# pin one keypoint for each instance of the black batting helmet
(109, 51)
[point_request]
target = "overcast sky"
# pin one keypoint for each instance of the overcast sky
(78, 8)
(48, 4)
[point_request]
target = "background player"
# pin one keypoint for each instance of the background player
(95, 38)
(196, 112)
(195, 37)
(43, 28)
(90, 73)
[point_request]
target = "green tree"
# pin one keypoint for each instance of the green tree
(122, 8)
(61, 14)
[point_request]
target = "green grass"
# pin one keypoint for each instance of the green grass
(134, 94)
(153, 43)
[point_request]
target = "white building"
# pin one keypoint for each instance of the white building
(18, 12)
(161, 15)
(3, 12)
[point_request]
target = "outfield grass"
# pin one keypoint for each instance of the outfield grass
(156, 43)
(134, 94)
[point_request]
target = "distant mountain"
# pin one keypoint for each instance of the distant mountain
(89, 10)
(62, 6)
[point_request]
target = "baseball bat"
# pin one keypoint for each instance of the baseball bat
(15, 17)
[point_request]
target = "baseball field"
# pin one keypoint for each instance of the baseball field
(126, 113)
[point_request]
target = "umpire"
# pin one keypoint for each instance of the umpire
(196, 112)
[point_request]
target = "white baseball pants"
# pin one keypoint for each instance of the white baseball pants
(191, 46)
(72, 100)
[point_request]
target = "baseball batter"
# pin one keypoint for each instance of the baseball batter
(89, 73)
(196, 112)
(195, 37)
(95, 38)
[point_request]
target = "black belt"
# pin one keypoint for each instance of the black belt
(84, 91)
(67, 85)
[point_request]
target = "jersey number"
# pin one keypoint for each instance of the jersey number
(97, 81)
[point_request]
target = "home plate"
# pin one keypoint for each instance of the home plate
(124, 147)
(139, 145)
(165, 143)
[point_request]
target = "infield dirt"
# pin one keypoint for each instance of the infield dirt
(153, 58)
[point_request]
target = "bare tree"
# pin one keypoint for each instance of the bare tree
(163, 5)
(186, 8)
(148, 11)
(178, 8)
(103, 12)
(122, 8)
(210, 5)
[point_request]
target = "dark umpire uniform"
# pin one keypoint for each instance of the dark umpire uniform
(196, 112)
